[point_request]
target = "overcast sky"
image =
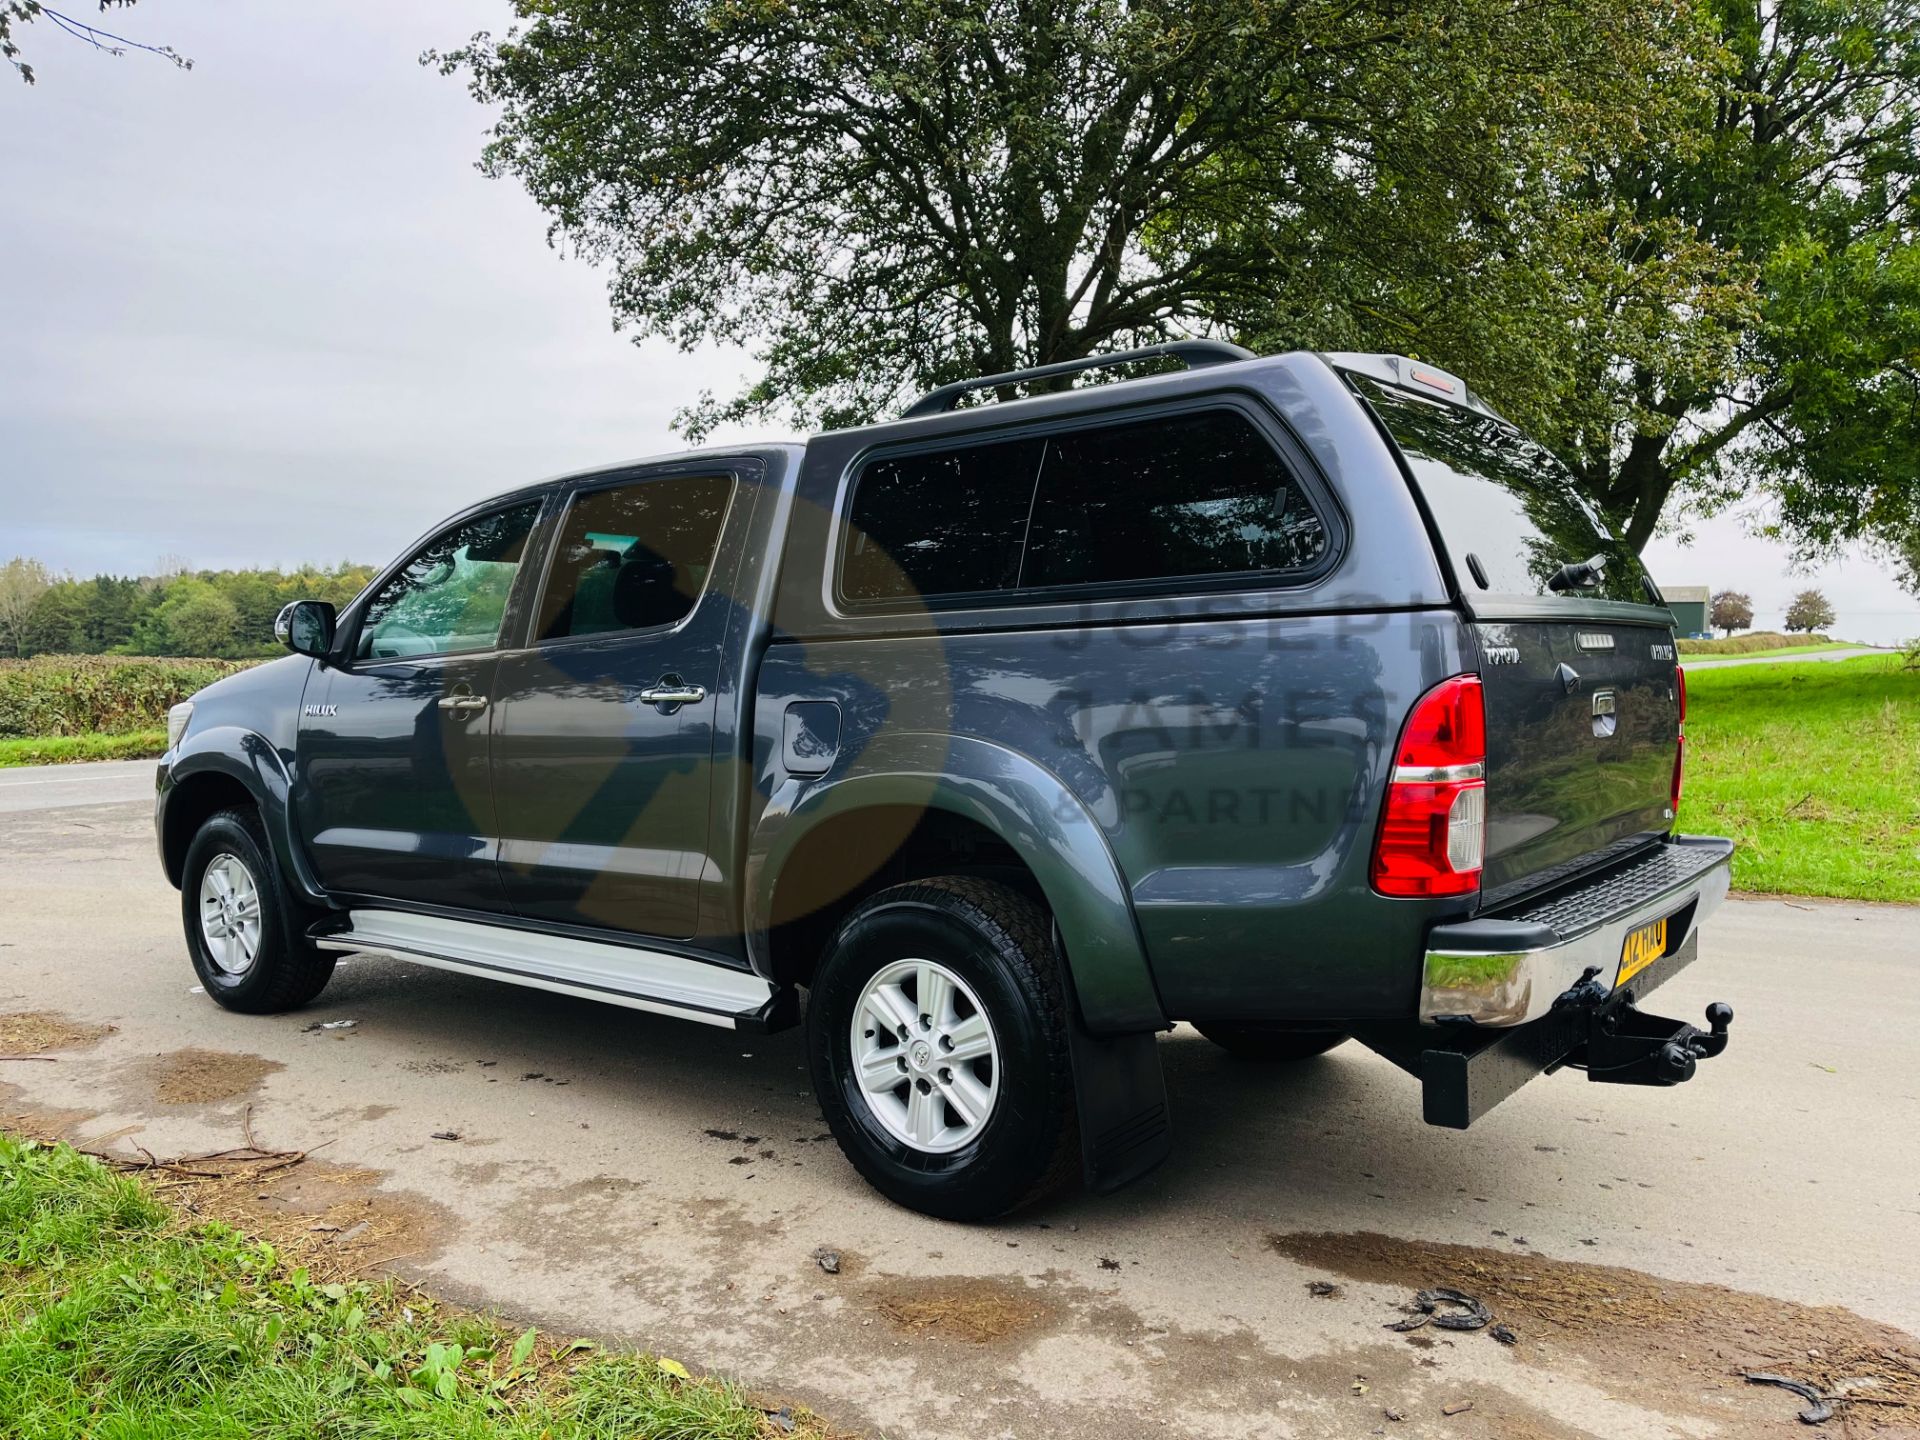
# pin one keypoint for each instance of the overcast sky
(266, 311)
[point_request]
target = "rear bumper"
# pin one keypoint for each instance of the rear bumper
(1508, 970)
(1466, 1070)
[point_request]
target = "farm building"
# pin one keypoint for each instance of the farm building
(1689, 606)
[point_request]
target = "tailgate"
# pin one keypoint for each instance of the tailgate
(1582, 723)
(1576, 654)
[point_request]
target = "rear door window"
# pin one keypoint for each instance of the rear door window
(633, 557)
(1193, 496)
(1507, 511)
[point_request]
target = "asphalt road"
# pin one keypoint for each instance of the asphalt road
(58, 787)
(631, 1177)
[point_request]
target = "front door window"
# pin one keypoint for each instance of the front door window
(452, 596)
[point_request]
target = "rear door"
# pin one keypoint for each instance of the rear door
(604, 725)
(1577, 664)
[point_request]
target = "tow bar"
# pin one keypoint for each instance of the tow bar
(1627, 1046)
(1465, 1070)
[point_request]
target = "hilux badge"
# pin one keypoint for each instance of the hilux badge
(320, 710)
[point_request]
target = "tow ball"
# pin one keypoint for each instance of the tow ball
(1627, 1046)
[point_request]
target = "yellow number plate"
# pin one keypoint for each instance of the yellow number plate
(1642, 947)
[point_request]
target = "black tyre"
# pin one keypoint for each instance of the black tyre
(937, 1028)
(244, 932)
(1264, 1042)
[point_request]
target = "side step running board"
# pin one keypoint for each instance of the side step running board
(653, 980)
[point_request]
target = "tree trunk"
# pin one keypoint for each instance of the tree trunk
(1640, 489)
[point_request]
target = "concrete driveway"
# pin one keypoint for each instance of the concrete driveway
(630, 1177)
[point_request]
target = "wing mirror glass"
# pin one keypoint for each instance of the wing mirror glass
(306, 628)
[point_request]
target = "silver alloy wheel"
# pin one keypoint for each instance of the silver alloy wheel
(926, 1056)
(230, 914)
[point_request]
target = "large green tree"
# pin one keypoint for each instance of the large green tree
(1725, 306)
(878, 196)
(1802, 173)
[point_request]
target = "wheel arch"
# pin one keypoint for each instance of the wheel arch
(219, 769)
(919, 805)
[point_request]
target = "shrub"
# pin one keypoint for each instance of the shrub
(82, 694)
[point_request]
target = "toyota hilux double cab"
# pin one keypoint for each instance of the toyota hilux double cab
(1299, 698)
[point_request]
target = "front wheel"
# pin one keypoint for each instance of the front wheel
(243, 930)
(937, 1028)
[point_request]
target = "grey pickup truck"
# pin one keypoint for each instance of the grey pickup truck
(1299, 698)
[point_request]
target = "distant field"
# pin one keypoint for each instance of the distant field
(1781, 653)
(1761, 642)
(1814, 770)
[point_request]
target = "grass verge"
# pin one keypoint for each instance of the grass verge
(62, 749)
(1814, 770)
(118, 1319)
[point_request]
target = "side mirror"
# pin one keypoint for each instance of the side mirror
(306, 628)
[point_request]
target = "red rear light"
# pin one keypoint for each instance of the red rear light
(1679, 739)
(1433, 827)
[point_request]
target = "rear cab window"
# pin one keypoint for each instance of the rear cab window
(1192, 498)
(1507, 512)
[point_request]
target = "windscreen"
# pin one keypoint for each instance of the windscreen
(1507, 511)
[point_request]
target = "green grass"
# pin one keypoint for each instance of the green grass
(1814, 770)
(116, 1323)
(60, 749)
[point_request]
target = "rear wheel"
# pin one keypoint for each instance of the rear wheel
(937, 1027)
(1264, 1042)
(244, 932)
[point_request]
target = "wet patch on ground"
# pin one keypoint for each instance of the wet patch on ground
(203, 1077)
(1678, 1345)
(34, 1032)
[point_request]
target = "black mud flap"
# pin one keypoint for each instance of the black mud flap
(1123, 1106)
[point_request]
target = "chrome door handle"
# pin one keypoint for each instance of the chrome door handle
(463, 703)
(672, 690)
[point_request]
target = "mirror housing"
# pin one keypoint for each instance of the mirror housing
(306, 628)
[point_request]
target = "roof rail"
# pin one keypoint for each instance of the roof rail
(1196, 353)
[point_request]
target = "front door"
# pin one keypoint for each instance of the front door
(603, 727)
(395, 798)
